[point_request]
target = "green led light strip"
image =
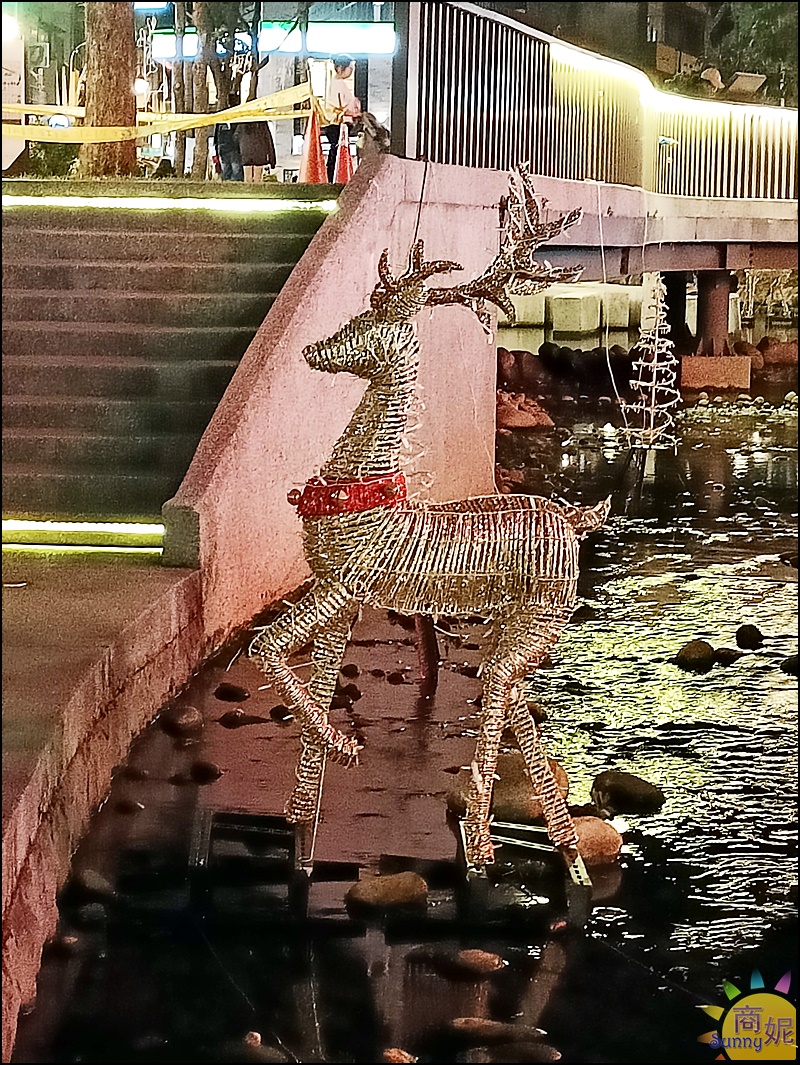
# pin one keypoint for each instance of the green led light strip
(85, 549)
(19, 532)
(160, 203)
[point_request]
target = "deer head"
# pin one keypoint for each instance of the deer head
(367, 346)
(514, 271)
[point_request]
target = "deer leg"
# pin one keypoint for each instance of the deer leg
(522, 642)
(560, 826)
(329, 646)
(276, 642)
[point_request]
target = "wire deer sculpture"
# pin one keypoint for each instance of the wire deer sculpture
(511, 558)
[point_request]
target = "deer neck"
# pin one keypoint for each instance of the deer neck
(371, 443)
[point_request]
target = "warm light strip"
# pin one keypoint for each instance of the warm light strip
(136, 527)
(158, 203)
(94, 549)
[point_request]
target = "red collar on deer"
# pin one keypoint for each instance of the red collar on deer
(326, 499)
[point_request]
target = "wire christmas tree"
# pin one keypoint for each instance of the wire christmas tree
(648, 419)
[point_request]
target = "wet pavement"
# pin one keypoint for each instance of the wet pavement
(144, 970)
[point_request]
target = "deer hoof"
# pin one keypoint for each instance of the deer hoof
(478, 843)
(345, 751)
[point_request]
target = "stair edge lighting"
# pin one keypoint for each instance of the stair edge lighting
(95, 535)
(162, 203)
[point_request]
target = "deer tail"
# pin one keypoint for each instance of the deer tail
(585, 520)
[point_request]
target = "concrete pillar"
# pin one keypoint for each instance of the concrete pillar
(675, 282)
(713, 297)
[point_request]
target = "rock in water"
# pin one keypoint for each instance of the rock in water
(181, 721)
(480, 962)
(789, 665)
(726, 656)
(625, 793)
(205, 772)
(697, 656)
(599, 843)
(512, 798)
(387, 892)
(480, 1031)
(231, 693)
(749, 637)
(395, 1054)
(521, 1052)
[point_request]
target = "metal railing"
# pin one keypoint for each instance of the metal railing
(477, 89)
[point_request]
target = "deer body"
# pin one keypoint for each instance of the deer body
(513, 559)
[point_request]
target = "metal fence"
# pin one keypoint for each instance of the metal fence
(475, 88)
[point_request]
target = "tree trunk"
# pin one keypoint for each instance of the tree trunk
(205, 55)
(179, 88)
(110, 99)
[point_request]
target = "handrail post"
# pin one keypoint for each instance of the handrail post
(405, 81)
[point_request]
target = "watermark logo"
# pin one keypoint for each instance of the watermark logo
(756, 1024)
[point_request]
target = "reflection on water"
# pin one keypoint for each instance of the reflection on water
(705, 891)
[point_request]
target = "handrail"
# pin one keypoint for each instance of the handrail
(477, 88)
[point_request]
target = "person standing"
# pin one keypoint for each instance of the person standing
(256, 148)
(226, 145)
(341, 99)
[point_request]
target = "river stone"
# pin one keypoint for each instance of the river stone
(396, 1054)
(696, 656)
(388, 892)
(205, 772)
(749, 637)
(599, 843)
(512, 798)
(726, 656)
(481, 1031)
(789, 665)
(231, 693)
(520, 1052)
(625, 793)
(181, 721)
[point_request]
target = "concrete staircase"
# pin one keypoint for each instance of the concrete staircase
(121, 329)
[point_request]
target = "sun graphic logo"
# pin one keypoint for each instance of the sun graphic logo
(756, 1024)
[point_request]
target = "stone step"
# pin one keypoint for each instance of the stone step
(138, 223)
(43, 244)
(165, 308)
(112, 376)
(107, 416)
(31, 491)
(147, 276)
(77, 451)
(103, 338)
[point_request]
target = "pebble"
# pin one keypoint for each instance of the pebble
(205, 772)
(181, 720)
(396, 678)
(726, 656)
(282, 714)
(481, 1030)
(395, 1054)
(231, 693)
(749, 637)
(697, 656)
(789, 665)
(513, 797)
(624, 793)
(388, 892)
(237, 718)
(350, 670)
(599, 843)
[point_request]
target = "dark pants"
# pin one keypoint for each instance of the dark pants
(231, 166)
(332, 133)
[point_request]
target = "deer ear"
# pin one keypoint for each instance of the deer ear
(384, 272)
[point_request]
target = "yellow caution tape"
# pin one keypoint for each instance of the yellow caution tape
(277, 105)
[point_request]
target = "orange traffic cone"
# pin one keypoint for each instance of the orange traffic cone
(312, 161)
(344, 160)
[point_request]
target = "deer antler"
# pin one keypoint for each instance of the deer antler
(514, 270)
(400, 298)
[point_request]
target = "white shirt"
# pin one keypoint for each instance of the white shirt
(340, 94)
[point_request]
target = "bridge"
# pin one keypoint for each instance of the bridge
(665, 184)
